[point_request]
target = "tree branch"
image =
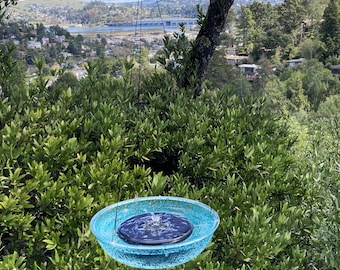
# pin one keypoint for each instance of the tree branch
(206, 42)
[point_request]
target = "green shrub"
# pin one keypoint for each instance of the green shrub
(95, 146)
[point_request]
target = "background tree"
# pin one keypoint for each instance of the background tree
(99, 48)
(221, 74)
(211, 26)
(65, 81)
(329, 115)
(41, 31)
(295, 93)
(59, 31)
(74, 47)
(265, 15)
(315, 10)
(318, 83)
(310, 48)
(276, 100)
(330, 29)
(292, 13)
(4, 4)
(267, 34)
(247, 27)
(79, 38)
(11, 72)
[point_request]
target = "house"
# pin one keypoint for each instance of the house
(45, 41)
(79, 72)
(231, 51)
(294, 62)
(34, 44)
(66, 54)
(251, 71)
(60, 39)
(236, 60)
(335, 70)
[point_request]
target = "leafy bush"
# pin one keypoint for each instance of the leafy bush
(100, 143)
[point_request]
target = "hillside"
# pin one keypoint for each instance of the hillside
(71, 12)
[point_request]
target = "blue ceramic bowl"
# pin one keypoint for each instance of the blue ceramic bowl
(105, 223)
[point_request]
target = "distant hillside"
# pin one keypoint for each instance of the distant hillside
(89, 12)
(81, 3)
(55, 3)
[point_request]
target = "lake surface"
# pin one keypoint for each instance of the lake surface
(167, 25)
(112, 29)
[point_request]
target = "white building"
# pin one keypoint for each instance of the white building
(251, 71)
(236, 60)
(294, 62)
(34, 44)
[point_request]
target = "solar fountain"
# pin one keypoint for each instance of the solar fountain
(154, 232)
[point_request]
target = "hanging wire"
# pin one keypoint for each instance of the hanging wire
(115, 223)
(160, 15)
(139, 9)
(116, 216)
(137, 16)
(138, 32)
(140, 51)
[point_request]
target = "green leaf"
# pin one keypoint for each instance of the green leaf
(50, 245)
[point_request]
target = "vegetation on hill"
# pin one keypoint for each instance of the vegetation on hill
(94, 145)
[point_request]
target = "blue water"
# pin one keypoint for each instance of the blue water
(155, 228)
(112, 29)
(105, 223)
(168, 25)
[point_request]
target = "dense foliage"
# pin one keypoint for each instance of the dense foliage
(100, 142)
(330, 33)
(267, 30)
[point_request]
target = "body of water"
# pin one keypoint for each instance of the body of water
(168, 25)
(112, 29)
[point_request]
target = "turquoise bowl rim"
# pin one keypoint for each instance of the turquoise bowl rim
(154, 247)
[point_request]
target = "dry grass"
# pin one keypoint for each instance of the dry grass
(76, 4)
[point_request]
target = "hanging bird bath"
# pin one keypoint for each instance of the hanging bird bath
(154, 232)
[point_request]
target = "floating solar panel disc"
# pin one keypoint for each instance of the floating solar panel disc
(155, 229)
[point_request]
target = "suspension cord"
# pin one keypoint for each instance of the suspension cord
(136, 16)
(160, 15)
(139, 14)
